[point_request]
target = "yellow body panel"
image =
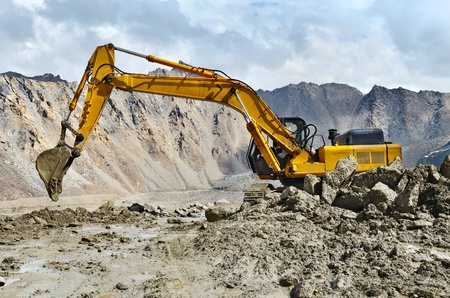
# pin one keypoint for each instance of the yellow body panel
(367, 156)
(300, 170)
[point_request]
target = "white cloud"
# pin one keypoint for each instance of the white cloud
(268, 44)
(29, 4)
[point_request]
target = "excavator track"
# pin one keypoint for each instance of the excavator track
(257, 192)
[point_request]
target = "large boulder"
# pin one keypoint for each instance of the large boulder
(381, 195)
(406, 201)
(299, 200)
(351, 200)
(445, 167)
(311, 184)
(333, 180)
(421, 174)
(426, 174)
(389, 175)
(436, 199)
(219, 212)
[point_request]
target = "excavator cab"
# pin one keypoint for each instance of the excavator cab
(303, 133)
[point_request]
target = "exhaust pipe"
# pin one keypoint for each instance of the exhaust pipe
(332, 133)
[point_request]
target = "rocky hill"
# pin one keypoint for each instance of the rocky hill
(47, 77)
(146, 142)
(326, 106)
(143, 142)
(417, 120)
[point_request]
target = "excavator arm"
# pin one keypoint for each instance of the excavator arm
(102, 77)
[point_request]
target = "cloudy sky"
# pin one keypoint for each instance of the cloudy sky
(268, 44)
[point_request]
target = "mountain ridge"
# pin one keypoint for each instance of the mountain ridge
(147, 142)
(47, 77)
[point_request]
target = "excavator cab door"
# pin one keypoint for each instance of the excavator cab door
(296, 126)
(255, 160)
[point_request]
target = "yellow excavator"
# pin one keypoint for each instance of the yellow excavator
(280, 148)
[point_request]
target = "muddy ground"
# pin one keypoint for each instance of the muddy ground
(264, 250)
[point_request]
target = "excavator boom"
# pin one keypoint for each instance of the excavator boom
(102, 77)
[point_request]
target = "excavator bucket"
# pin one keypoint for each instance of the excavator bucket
(52, 165)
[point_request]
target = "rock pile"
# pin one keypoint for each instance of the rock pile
(381, 233)
(388, 190)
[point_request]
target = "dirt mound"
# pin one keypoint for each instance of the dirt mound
(318, 250)
(391, 240)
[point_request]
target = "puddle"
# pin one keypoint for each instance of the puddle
(432, 254)
(440, 254)
(93, 230)
(128, 231)
(410, 248)
(142, 277)
(34, 266)
(9, 281)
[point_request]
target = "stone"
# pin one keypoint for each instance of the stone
(387, 175)
(381, 193)
(351, 201)
(426, 174)
(218, 212)
(302, 201)
(397, 164)
(311, 184)
(152, 209)
(272, 198)
(333, 180)
(445, 167)
(406, 201)
(135, 207)
(340, 282)
(372, 212)
(106, 206)
(183, 212)
(403, 182)
(419, 224)
(288, 280)
(39, 220)
(195, 212)
(120, 286)
(348, 214)
(434, 176)
(291, 191)
(176, 221)
(221, 201)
